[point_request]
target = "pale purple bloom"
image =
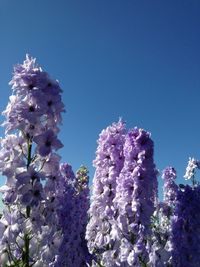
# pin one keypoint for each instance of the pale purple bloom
(9, 226)
(108, 163)
(160, 250)
(136, 195)
(29, 161)
(46, 142)
(160, 244)
(170, 188)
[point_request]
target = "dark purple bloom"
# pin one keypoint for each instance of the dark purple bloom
(73, 196)
(186, 228)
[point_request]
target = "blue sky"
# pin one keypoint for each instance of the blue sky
(135, 59)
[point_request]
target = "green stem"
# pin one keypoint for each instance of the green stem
(25, 255)
(142, 262)
(26, 250)
(29, 153)
(28, 211)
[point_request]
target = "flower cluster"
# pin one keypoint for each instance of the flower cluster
(191, 168)
(160, 254)
(136, 195)
(30, 164)
(108, 163)
(82, 203)
(160, 247)
(170, 187)
(73, 195)
(186, 228)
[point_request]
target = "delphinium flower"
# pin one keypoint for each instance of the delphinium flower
(136, 195)
(82, 203)
(170, 187)
(160, 246)
(73, 195)
(192, 166)
(108, 163)
(32, 116)
(186, 228)
(160, 254)
(65, 192)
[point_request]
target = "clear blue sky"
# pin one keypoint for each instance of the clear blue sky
(131, 58)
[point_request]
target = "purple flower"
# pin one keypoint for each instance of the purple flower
(108, 163)
(72, 213)
(28, 78)
(186, 228)
(9, 226)
(33, 114)
(136, 195)
(31, 194)
(170, 188)
(46, 142)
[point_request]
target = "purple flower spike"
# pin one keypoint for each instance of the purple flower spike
(136, 195)
(170, 188)
(33, 114)
(186, 228)
(109, 161)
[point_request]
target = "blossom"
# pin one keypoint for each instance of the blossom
(160, 243)
(73, 195)
(29, 162)
(170, 188)
(9, 226)
(136, 194)
(160, 246)
(193, 164)
(108, 163)
(186, 228)
(46, 141)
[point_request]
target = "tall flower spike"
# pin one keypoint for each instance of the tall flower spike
(82, 206)
(192, 166)
(32, 119)
(160, 254)
(135, 197)
(73, 195)
(170, 188)
(108, 163)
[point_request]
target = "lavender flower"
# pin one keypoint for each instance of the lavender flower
(29, 161)
(108, 163)
(160, 254)
(82, 206)
(160, 244)
(186, 228)
(46, 141)
(73, 195)
(136, 194)
(170, 188)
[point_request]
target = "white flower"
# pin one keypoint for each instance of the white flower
(191, 167)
